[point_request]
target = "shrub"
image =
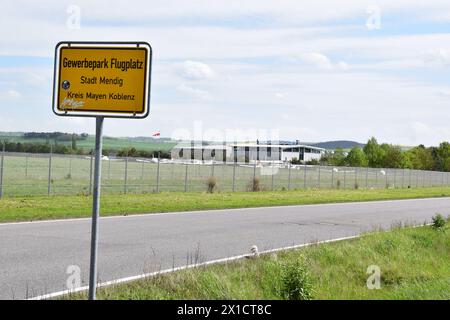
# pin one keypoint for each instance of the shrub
(212, 184)
(356, 185)
(438, 222)
(338, 184)
(296, 282)
(255, 185)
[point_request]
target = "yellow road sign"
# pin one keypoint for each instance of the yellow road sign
(102, 79)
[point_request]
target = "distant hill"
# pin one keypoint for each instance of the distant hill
(343, 144)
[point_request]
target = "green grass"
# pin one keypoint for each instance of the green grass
(62, 207)
(414, 264)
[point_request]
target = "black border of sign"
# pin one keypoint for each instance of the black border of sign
(105, 45)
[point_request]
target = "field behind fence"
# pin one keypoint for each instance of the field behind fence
(45, 174)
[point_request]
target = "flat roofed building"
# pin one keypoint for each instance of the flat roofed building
(247, 152)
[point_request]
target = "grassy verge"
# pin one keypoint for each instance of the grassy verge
(414, 264)
(62, 207)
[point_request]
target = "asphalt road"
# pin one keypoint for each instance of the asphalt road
(34, 256)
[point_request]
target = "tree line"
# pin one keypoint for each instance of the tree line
(33, 147)
(385, 155)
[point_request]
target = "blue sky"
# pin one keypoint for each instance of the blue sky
(306, 70)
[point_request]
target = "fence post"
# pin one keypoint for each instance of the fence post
(90, 174)
(318, 178)
(345, 176)
(367, 177)
(234, 176)
(376, 178)
(289, 176)
(387, 180)
(403, 178)
(395, 178)
(109, 168)
(157, 175)
(125, 187)
(26, 165)
(1, 170)
(142, 170)
(272, 177)
(332, 178)
(304, 176)
(70, 167)
(409, 183)
(49, 187)
(254, 172)
(356, 186)
(185, 178)
(417, 178)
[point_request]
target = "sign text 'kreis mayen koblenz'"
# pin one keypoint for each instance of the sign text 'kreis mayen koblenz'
(94, 79)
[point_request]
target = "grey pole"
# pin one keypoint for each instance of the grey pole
(254, 171)
(332, 178)
(1, 170)
(90, 173)
(26, 165)
(387, 181)
(70, 167)
(289, 176)
(272, 176)
(157, 174)
(304, 176)
(403, 178)
(356, 178)
(318, 178)
(49, 187)
(125, 182)
(345, 176)
(96, 207)
(109, 168)
(234, 176)
(367, 177)
(395, 178)
(142, 171)
(185, 178)
(417, 178)
(376, 179)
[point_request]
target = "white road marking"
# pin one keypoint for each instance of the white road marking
(152, 274)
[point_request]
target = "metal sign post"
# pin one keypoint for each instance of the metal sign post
(96, 207)
(101, 79)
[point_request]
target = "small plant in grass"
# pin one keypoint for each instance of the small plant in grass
(356, 185)
(296, 282)
(438, 222)
(68, 176)
(212, 184)
(255, 185)
(338, 184)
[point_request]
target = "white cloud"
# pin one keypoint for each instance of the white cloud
(194, 70)
(13, 94)
(194, 92)
(316, 59)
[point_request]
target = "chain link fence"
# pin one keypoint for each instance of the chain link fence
(24, 174)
